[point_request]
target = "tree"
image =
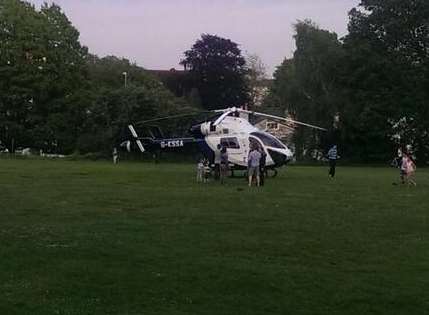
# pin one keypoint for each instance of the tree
(17, 22)
(306, 85)
(256, 80)
(388, 74)
(113, 106)
(56, 97)
(218, 70)
(42, 64)
(376, 78)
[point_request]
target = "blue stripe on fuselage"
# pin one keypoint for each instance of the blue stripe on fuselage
(206, 150)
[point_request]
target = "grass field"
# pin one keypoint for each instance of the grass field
(139, 238)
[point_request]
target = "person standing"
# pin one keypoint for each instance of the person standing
(399, 158)
(411, 169)
(262, 164)
(332, 157)
(217, 154)
(200, 171)
(224, 167)
(408, 168)
(254, 160)
(115, 155)
(207, 171)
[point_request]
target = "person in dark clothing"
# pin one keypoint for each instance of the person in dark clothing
(217, 155)
(262, 164)
(224, 167)
(332, 157)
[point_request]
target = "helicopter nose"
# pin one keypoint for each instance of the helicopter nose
(289, 155)
(280, 157)
(196, 131)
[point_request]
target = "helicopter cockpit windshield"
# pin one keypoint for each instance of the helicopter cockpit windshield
(268, 140)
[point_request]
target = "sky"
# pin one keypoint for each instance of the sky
(155, 33)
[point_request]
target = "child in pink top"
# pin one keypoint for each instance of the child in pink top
(408, 168)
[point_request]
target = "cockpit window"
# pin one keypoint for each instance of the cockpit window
(268, 140)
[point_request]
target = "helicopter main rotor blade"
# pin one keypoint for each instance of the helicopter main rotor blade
(170, 117)
(222, 117)
(229, 109)
(284, 119)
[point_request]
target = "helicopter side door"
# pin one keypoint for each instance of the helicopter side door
(255, 141)
(232, 144)
(244, 142)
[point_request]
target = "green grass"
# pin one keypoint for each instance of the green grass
(139, 238)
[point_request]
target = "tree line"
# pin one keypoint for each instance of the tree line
(375, 79)
(56, 96)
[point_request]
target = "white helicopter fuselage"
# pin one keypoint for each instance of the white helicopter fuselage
(229, 129)
(236, 134)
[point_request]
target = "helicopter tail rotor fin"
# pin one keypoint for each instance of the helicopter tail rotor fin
(134, 133)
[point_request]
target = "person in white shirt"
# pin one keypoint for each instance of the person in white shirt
(115, 156)
(200, 171)
(254, 160)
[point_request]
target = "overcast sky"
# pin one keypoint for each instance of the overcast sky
(155, 33)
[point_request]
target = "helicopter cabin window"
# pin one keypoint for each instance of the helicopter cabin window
(272, 125)
(268, 140)
(230, 143)
(225, 131)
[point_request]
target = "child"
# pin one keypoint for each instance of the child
(408, 169)
(200, 171)
(207, 171)
(115, 156)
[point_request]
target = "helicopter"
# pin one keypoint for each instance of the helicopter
(228, 128)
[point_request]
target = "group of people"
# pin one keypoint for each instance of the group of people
(255, 166)
(221, 166)
(256, 163)
(203, 171)
(404, 162)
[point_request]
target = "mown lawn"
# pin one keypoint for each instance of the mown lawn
(140, 238)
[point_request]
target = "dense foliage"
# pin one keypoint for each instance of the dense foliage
(42, 66)
(56, 97)
(306, 85)
(218, 71)
(377, 78)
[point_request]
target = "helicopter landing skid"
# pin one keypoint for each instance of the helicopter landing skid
(269, 173)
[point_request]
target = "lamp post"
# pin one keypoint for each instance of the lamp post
(125, 78)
